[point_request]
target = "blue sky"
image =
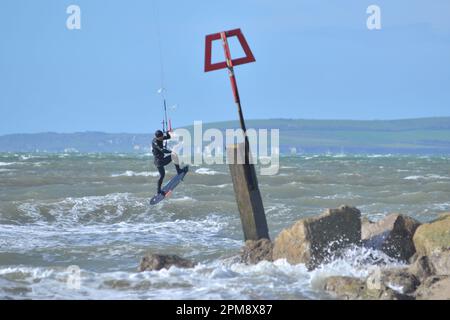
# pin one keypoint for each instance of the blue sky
(315, 59)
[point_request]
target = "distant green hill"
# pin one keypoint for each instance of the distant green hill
(422, 136)
(409, 136)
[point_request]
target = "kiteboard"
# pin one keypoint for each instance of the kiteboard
(169, 187)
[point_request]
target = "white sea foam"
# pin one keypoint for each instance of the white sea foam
(413, 177)
(427, 177)
(349, 174)
(221, 186)
(219, 279)
(279, 175)
(5, 164)
(130, 173)
(207, 171)
(341, 155)
(101, 241)
(106, 234)
(395, 287)
(41, 163)
(348, 195)
(278, 209)
(26, 272)
(89, 209)
(184, 198)
(445, 206)
(27, 157)
(380, 155)
(355, 262)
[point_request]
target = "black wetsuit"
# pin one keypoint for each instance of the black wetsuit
(160, 159)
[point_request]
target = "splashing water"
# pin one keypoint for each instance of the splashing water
(92, 211)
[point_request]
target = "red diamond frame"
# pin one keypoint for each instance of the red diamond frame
(221, 65)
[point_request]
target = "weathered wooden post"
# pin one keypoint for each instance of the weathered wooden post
(242, 171)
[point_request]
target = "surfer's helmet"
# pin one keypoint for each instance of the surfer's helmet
(159, 133)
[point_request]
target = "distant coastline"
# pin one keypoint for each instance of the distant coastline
(408, 136)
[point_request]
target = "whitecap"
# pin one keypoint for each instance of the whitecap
(5, 164)
(24, 158)
(445, 206)
(413, 177)
(185, 198)
(27, 272)
(40, 164)
(348, 195)
(222, 185)
(379, 155)
(207, 171)
(427, 177)
(130, 173)
(351, 174)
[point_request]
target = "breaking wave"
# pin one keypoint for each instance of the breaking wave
(224, 278)
(92, 210)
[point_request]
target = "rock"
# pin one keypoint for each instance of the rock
(434, 288)
(374, 280)
(393, 235)
(433, 240)
(413, 258)
(315, 239)
(399, 280)
(421, 268)
(159, 261)
(356, 289)
(345, 287)
(441, 263)
(256, 251)
(390, 294)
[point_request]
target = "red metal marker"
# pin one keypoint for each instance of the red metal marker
(230, 63)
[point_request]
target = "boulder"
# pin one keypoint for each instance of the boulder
(313, 240)
(393, 235)
(350, 288)
(399, 280)
(256, 251)
(434, 288)
(433, 240)
(345, 287)
(441, 263)
(421, 268)
(160, 261)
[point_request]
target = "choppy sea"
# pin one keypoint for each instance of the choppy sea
(92, 211)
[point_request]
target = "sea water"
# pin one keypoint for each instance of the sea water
(91, 212)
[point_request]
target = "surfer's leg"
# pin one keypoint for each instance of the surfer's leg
(166, 161)
(176, 162)
(162, 173)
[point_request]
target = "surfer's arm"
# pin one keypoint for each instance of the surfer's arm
(167, 136)
(155, 146)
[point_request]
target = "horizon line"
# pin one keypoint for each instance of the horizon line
(253, 119)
